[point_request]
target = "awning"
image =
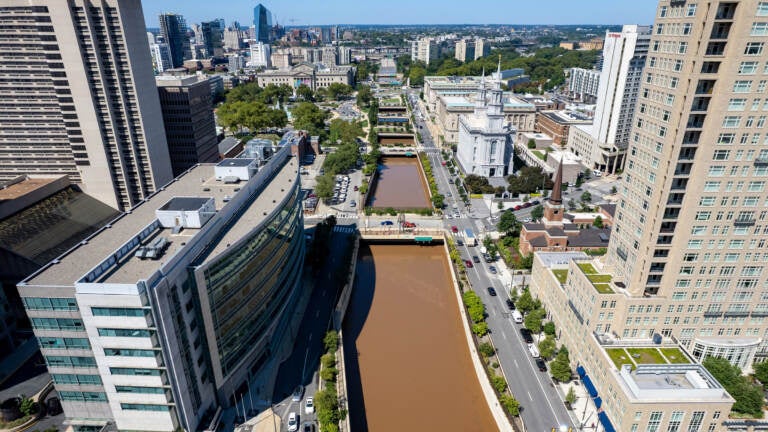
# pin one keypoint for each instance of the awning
(598, 402)
(590, 387)
(606, 423)
(581, 371)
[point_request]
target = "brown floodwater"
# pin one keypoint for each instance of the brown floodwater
(408, 365)
(400, 185)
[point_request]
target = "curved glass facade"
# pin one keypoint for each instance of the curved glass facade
(251, 285)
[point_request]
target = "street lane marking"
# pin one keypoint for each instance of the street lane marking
(529, 396)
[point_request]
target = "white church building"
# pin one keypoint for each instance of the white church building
(485, 141)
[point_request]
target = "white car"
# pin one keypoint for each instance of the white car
(293, 422)
(298, 392)
(309, 406)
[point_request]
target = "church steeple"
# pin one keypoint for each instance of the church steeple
(553, 209)
(480, 98)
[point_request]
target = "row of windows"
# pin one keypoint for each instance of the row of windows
(125, 332)
(76, 379)
(119, 312)
(45, 303)
(144, 407)
(70, 361)
(124, 352)
(68, 324)
(82, 396)
(134, 371)
(63, 343)
(141, 390)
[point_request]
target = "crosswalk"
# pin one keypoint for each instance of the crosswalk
(344, 229)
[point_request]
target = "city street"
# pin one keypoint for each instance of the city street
(542, 408)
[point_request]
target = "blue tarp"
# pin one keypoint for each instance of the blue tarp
(606, 423)
(598, 402)
(590, 387)
(580, 370)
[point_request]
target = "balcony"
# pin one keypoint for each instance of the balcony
(760, 162)
(735, 314)
(715, 49)
(712, 314)
(726, 11)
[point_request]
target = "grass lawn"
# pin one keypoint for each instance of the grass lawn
(561, 275)
(619, 357)
(599, 278)
(646, 356)
(587, 268)
(540, 155)
(674, 355)
(603, 288)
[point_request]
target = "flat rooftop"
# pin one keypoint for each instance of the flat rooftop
(24, 187)
(199, 182)
(671, 383)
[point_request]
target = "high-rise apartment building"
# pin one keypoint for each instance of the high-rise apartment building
(164, 315)
(161, 56)
(260, 54)
(233, 37)
(583, 84)
(213, 37)
(603, 145)
(424, 50)
(345, 55)
(685, 271)
(188, 118)
(465, 50)
(173, 30)
(78, 98)
(482, 48)
(262, 23)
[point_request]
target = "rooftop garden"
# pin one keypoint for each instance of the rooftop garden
(561, 275)
(645, 355)
(601, 282)
(539, 155)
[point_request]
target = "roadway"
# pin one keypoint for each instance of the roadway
(542, 408)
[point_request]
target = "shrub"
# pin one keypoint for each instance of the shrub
(510, 404)
(480, 329)
(331, 341)
(328, 374)
(328, 360)
(486, 349)
(498, 383)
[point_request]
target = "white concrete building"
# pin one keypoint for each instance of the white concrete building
(424, 50)
(485, 144)
(161, 57)
(260, 54)
(583, 84)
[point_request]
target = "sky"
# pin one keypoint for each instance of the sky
(325, 12)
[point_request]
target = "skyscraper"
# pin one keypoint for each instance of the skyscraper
(685, 266)
(82, 102)
(262, 23)
(173, 29)
(424, 50)
(465, 50)
(213, 37)
(603, 145)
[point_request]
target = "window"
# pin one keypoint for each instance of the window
(691, 10)
(753, 48)
(143, 407)
(762, 9)
(683, 47)
(674, 421)
(82, 396)
(748, 68)
(663, 11)
(121, 312)
(134, 371)
(63, 343)
(654, 421)
(759, 29)
(716, 170)
(731, 121)
(125, 332)
(142, 390)
(742, 86)
(128, 352)
(58, 324)
(76, 379)
(45, 303)
(726, 138)
(721, 154)
(737, 104)
(68, 361)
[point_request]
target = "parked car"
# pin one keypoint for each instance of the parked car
(476, 259)
(517, 207)
(407, 224)
(459, 242)
(468, 263)
(298, 392)
(308, 427)
(387, 223)
(527, 336)
(492, 291)
(293, 422)
(541, 364)
(510, 304)
(309, 405)
(356, 188)
(454, 229)
(526, 205)
(352, 203)
(492, 269)
(535, 202)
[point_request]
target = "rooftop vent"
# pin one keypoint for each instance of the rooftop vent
(153, 250)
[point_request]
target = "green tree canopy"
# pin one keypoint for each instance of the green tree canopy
(547, 347)
(508, 222)
(363, 95)
(598, 222)
(586, 197)
(305, 93)
(525, 302)
(337, 90)
(477, 184)
(761, 373)
(309, 117)
(416, 74)
(561, 366)
(324, 186)
(749, 397)
(529, 179)
(537, 212)
(533, 320)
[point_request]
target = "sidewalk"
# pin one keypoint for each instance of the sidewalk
(583, 412)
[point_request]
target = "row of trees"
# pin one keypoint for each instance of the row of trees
(327, 400)
(534, 311)
(749, 397)
(250, 106)
(309, 117)
(438, 200)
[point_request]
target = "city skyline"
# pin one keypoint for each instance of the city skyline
(304, 12)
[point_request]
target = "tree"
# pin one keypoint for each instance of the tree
(480, 329)
(27, 406)
(571, 204)
(570, 397)
(486, 349)
(477, 185)
(586, 197)
(598, 222)
(438, 200)
(561, 366)
(613, 189)
(537, 212)
(508, 223)
(363, 95)
(417, 74)
(306, 93)
(761, 373)
(749, 397)
(529, 179)
(547, 347)
(549, 328)
(331, 340)
(510, 404)
(525, 302)
(324, 186)
(336, 90)
(531, 143)
(309, 117)
(533, 320)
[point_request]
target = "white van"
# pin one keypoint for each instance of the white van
(534, 351)
(517, 316)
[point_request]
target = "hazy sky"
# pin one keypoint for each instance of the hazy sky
(320, 12)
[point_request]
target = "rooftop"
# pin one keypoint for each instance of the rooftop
(600, 281)
(14, 189)
(567, 117)
(198, 183)
(671, 383)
